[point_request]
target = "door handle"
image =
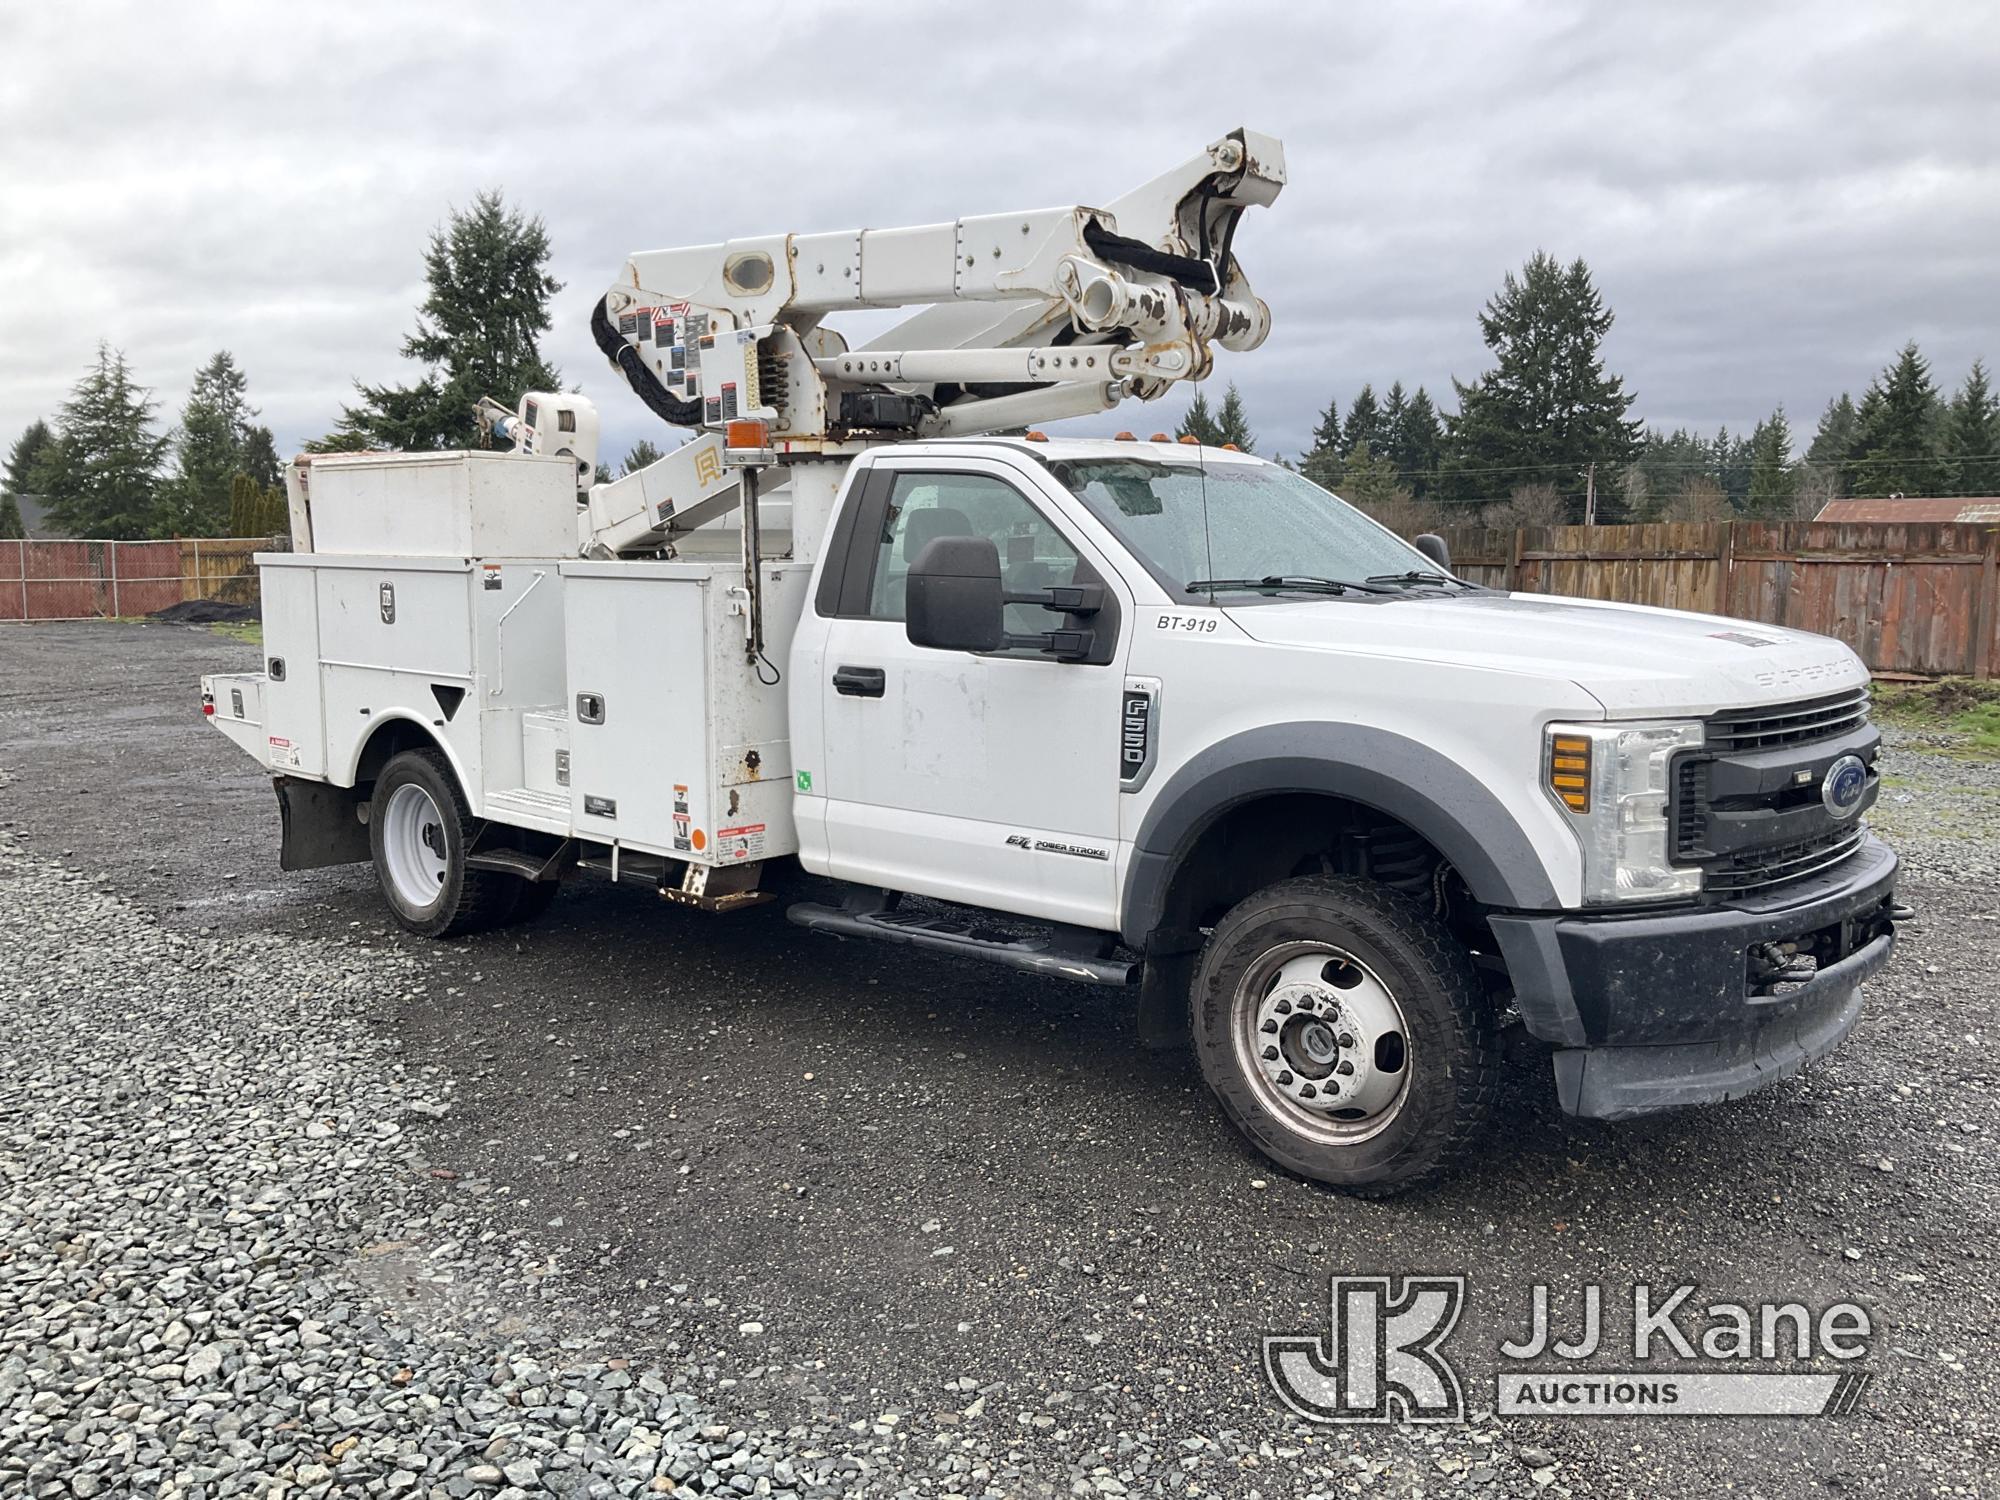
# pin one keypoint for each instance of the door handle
(859, 682)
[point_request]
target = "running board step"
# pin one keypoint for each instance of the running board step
(1038, 955)
(537, 867)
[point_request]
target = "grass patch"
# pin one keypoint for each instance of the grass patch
(1966, 708)
(250, 632)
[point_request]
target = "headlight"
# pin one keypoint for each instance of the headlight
(1612, 782)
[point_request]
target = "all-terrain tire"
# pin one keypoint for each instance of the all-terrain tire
(463, 900)
(1379, 942)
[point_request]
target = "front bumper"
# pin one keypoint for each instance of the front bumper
(1653, 1012)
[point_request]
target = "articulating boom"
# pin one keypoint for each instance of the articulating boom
(1027, 317)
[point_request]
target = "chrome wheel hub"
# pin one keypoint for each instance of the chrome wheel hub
(1326, 1040)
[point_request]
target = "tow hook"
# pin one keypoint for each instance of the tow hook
(1901, 912)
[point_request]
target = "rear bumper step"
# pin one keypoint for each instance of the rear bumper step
(1037, 955)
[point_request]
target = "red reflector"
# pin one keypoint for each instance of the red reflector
(208, 708)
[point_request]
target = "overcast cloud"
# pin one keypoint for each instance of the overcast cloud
(1772, 197)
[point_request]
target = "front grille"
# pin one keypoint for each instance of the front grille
(1787, 723)
(1787, 726)
(1757, 869)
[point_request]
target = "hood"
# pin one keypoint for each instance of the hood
(1634, 659)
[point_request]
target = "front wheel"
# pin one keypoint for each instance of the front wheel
(1345, 1033)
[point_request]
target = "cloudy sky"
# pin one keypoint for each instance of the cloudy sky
(1773, 197)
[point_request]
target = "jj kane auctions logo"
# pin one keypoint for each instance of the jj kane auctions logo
(1383, 1357)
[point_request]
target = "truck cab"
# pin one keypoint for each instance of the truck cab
(1234, 723)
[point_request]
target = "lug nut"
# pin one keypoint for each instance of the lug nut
(1285, 1078)
(1347, 1039)
(1344, 1068)
(1308, 1092)
(1270, 1054)
(1268, 1027)
(1284, 1007)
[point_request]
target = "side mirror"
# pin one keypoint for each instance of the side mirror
(953, 600)
(1432, 546)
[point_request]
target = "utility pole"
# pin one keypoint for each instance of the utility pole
(1590, 495)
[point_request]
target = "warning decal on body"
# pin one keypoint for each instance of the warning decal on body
(746, 841)
(284, 753)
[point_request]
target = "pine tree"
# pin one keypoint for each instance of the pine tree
(1972, 436)
(1901, 425)
(1363, 424)
(1326, 431)
(260, 458)
(1200, 423)
(28, 451)
(1232, 426)
(1729, 462)
(478, 334)
(1415, 442)
(1774, 480)
(1548, 408)
(11, 524)
(642, 454)
(211, 446)
(1368, 478)
(101, 477)
(1834, 443)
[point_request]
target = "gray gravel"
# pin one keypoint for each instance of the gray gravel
(729, 1156)
(226, 1268)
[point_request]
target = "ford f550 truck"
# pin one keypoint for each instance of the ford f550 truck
(1188, 724)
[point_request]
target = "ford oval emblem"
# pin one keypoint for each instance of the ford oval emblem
(1846, 779)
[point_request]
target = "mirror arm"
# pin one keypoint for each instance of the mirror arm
(1063, 645)
(1068, 599)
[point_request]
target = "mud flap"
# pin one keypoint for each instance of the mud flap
(321, 825)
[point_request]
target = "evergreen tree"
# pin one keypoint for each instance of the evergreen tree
(1834, 443)
(101, 477)
(1729, 462)
(1231, 425)
(28, 451)
(1901, 425)
(1200, 423)
(478, 333)
(642, 454)
(1548, 408)
(1774, 481)
(1415, 441)
(1368, 479)
(1326, 431)
(11, 524)
(211, 446)
(1972, 436)
(1363, 425)
(260, 459)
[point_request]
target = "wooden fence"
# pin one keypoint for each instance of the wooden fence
(1918, 598)
(87, 580)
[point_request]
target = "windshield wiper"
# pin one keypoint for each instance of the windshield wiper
(1304, 583)
(1415, 576)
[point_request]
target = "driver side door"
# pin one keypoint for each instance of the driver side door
(989, 778)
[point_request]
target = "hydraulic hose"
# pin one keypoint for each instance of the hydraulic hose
(644, 383)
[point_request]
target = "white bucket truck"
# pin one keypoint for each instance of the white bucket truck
(1190, 723)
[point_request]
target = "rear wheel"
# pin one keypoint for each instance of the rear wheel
(418, 831)
(1345, 1033)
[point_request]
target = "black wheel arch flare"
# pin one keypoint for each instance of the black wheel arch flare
(1388, 772)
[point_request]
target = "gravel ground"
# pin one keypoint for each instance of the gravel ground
(632, 1201)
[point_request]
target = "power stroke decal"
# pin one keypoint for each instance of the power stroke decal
(1050, 846)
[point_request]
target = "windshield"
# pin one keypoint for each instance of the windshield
(1265, 525)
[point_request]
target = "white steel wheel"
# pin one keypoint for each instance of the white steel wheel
(1324, 1040)
(1342, 1029)
(419, 829)
(413, 845)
